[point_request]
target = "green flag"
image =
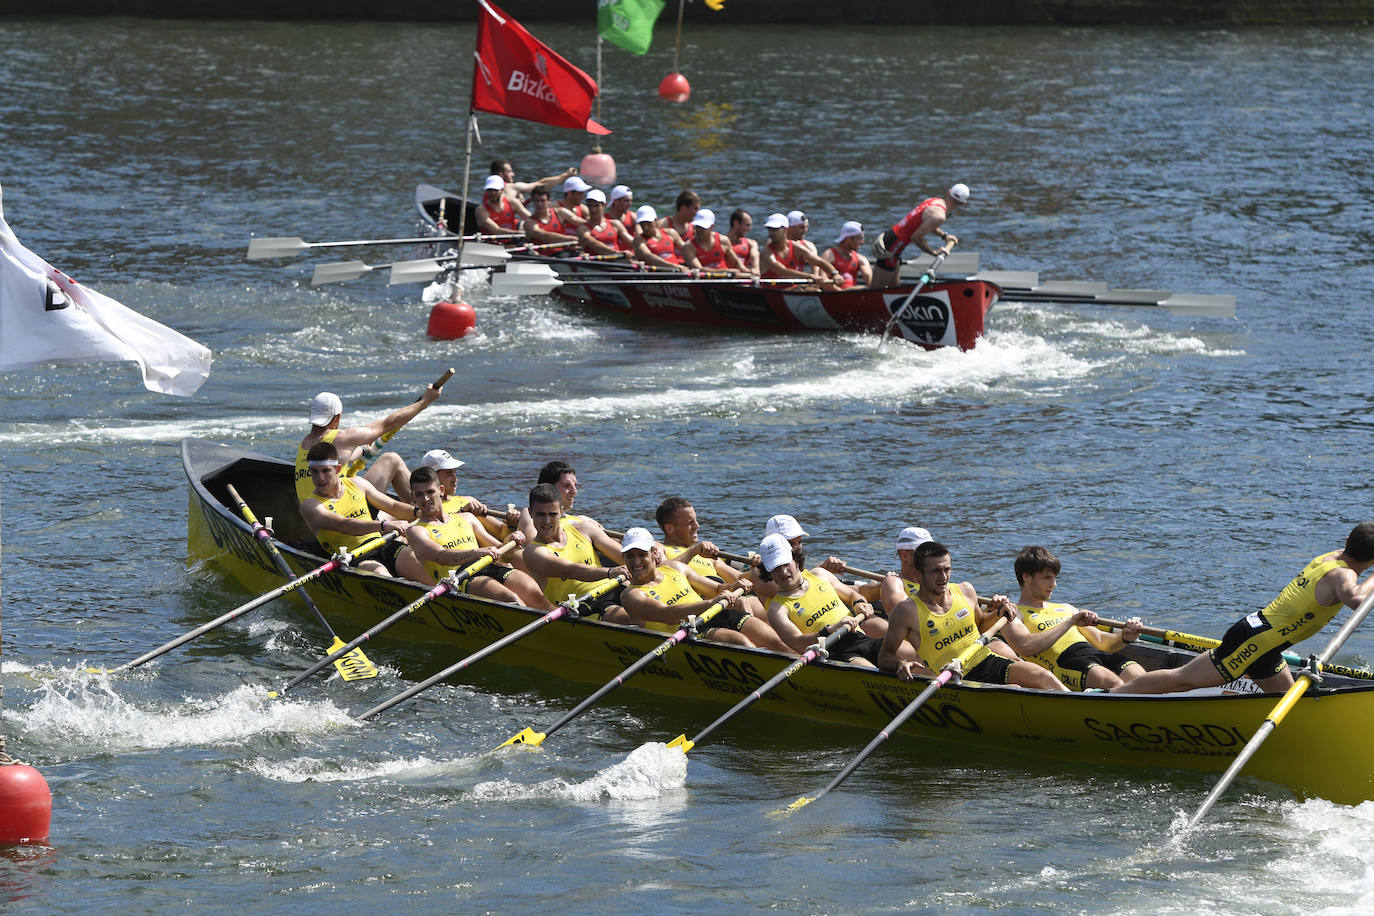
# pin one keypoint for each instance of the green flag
(628, 23)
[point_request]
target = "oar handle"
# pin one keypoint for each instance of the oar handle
(371, 448)
(265, 537)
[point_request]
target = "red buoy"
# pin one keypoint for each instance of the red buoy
(25, 805)
(674, 88)
(597, 168)
(451, 320)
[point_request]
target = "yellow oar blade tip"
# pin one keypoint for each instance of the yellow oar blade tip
(273, 695)
(682, 744)
(97, 670)
(528, 737)
(799, 803)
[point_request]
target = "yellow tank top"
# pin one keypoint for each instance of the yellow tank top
(454, 533)
(578, 548)
(699, 564)
(1295, 613)
(304, 485)
(815, 609)
(456, 503)
(673, 589)
(1040, 619)
(943, 636)
(352, 504)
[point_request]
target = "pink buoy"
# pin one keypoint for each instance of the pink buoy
(25, 805)
(597, 168)
(674, 88)
(451, 320)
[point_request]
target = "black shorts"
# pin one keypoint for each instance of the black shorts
(887, 251)
(385, 556)
(992, 670)
(856, 645)
(598, 606)
(727, 619)
(1084, 657)
(1250, 648)
(496, 571)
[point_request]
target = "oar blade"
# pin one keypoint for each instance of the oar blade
(1206, 306)
(481, 254)
(508, 284)
(338, 273)
(528, 737)
(352, 666)
(421, 271)
(682, 744)
(797, 805)
(275, 248)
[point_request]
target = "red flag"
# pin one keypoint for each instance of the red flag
(519, 76)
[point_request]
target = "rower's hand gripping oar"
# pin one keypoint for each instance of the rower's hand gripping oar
(926, 277)
(569, 609)
(946, 674)
(1306, 678)
(533, 738)
(370, 450)
(449, 584)
(819, 650)
(355, 666)
(338, 561)
(1203, 643)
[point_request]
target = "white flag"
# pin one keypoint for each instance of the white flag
(47, 317)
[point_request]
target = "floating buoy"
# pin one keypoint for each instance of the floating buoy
(674, 88)
(451, 320)
(25, 805)
(597, 168)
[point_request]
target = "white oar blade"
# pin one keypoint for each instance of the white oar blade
(1208, 306)
(484, 255)
(1010, 279)
(422, 271)
(338, 273)
(275, 248)
(505, 284)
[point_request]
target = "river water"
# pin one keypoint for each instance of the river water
(1183, 468)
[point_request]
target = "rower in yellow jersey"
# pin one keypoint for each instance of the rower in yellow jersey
(1254, 645)
(564, 561)
(338, 510)
(678, 519)
(942, 619)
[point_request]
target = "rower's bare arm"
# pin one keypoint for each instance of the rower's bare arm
(788, 631)
(355, 436)
(384, 502)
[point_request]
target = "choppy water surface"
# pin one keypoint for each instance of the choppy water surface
(1183, 468)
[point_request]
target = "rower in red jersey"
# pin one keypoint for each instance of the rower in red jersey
(746, 249)
(784, 258)
(497, 214)
(656, 245)
(926, 218)
(622, 208)
(599, 235)
(855, 271)
(707, 249)
(571, 209)
(543, 225)
(680, 220)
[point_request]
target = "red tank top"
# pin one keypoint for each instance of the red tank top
(713, 256)
(742, 251)
(847, 263)
(605, 234)
(907, 225)
(504, 216)
(664, 247)
(552, 224)
(790, 259)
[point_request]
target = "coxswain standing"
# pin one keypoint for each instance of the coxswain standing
(782, 258)
(497, 214)
(855, 271)
(657, 246)
(543, 226)
(746, 249)
(707, 249)
(926, 218)
(599, 234)
(517, 191)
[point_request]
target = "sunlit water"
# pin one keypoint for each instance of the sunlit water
(1183, 468)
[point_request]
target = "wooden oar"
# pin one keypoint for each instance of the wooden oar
(372, 448)
(289, 247)
(567, 609)
(1203, 643)
(1275, 718)
(940, 680)
(925, 278)
(355, 666)
(531, 737)
(338, 561)
(450, 584)
(807, 657)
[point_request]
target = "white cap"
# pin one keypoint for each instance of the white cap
(959, 192)
(575, 184)
(704, 218)
(494, 183)
(848, 230)
(784, 525)
(636, 539)
(775, 551)
(912, 537)
(796, 218)
(646, 214)
(597, 195)
(776, 221)
(325, 407)
(621, 190)
(440, 460)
